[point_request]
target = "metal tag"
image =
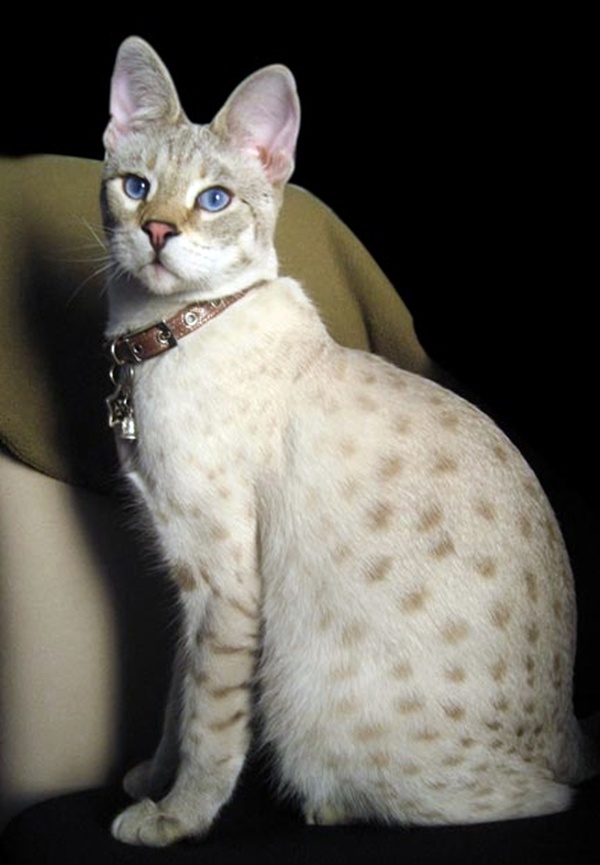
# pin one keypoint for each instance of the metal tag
(120, 403)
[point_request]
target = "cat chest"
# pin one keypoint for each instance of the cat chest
(197, 420)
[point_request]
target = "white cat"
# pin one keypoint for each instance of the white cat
(365, 563)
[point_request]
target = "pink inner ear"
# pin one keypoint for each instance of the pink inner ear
(122, 106)
(263, 116)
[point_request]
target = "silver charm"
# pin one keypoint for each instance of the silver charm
(120, 402)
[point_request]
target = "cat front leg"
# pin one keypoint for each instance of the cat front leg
(220, 646)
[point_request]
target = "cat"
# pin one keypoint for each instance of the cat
(367, 568)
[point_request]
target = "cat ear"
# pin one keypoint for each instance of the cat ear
(141, 91)
(262, 117)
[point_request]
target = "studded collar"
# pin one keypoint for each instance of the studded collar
(140, 345)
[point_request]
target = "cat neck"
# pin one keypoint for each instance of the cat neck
(132, 306)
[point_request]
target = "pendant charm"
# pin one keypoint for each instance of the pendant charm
(120, 403)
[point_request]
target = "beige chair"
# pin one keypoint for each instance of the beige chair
(85, 618)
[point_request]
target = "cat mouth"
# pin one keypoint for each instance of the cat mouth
(158, 276)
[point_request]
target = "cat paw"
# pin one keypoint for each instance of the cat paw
(147, 824)
(325, 815)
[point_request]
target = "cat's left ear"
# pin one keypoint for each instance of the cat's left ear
(141, 92)
(262, 117)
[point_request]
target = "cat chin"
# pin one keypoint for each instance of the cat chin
(158, 279)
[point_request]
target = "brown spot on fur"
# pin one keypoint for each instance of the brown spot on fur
(500, 453)
(184, 578)
(486, 510)
(455, 674)
(426, 735)
(444, 547)
(449, 419)
(402, 670)
(325, 620)
(227, 690)
(228, 723)
(430, 518)
(499, 670)
(410, 768)
(500, 615)
(531, 583)
(455, 632)
(367, 732)
(390, 467)
(341, 553)
(409, 705)
(552, 532)
(366, 402)
(486, 567)
(348, 447)
(346, 706)
(532, 633)
(501, 704)
(381, 760)
(467, 742)
(445, 464)
(525, 526)
(453, 760)
(380, 516)
(380, 569)
(454, 711)
(343, 672)
(414, 601)
(402, 424)
(219, 532)
(353, 633)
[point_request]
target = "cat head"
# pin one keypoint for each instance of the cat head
(191, 209)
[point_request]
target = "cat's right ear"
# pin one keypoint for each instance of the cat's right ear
(262, 118)
(141, 91)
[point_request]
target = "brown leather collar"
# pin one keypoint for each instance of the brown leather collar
(141, 345)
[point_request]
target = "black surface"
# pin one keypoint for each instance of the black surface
(74, 829)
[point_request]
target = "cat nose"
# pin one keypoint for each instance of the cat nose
(159, 233)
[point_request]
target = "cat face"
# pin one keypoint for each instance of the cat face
(188, 208)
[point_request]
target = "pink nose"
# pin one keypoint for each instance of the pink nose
(159, 233)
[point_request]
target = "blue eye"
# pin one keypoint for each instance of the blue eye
(136, 187)
(214, 199)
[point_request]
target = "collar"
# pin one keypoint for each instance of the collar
(140, 345)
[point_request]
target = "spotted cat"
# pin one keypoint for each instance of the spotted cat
(367, 568)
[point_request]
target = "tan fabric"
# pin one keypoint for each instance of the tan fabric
(53, 376)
